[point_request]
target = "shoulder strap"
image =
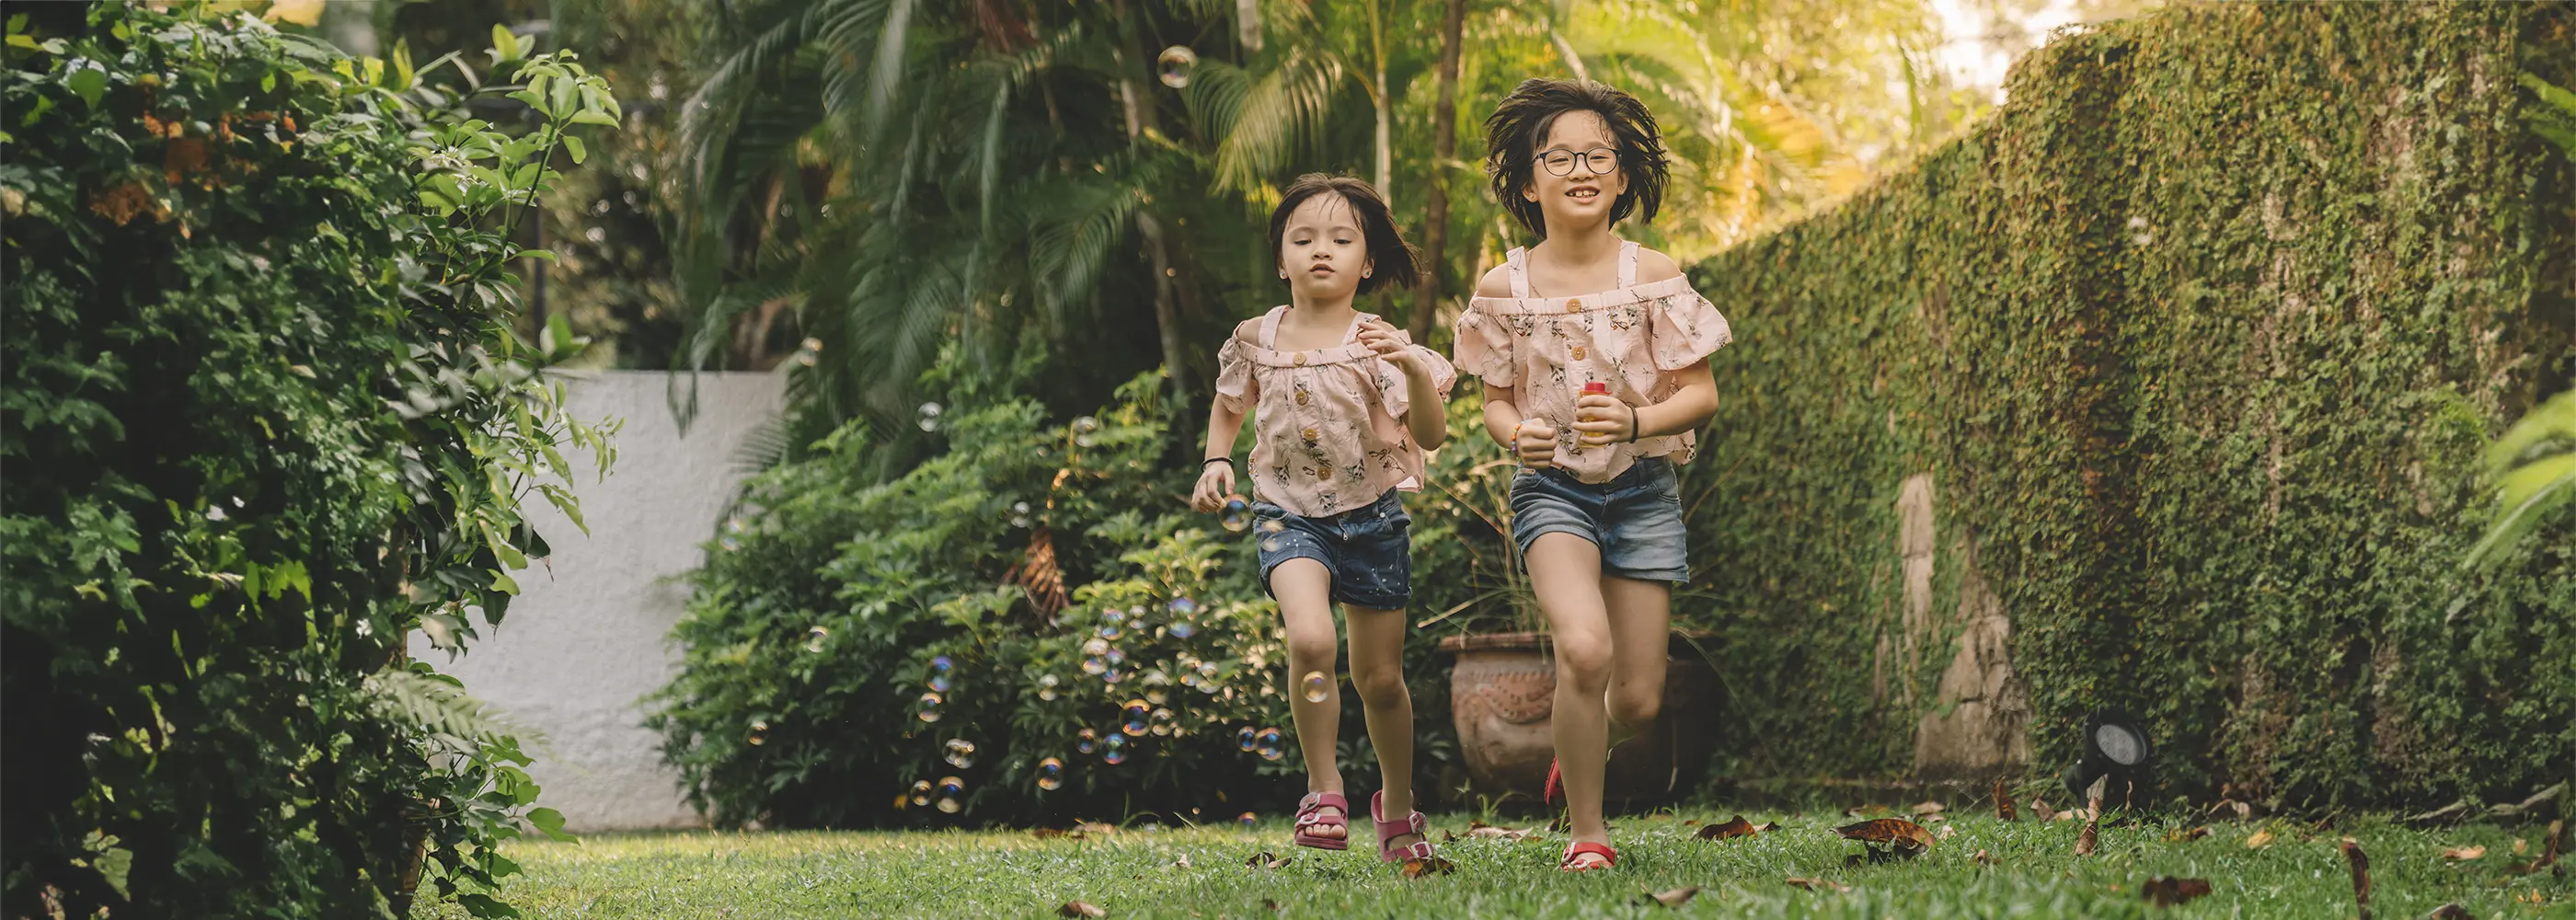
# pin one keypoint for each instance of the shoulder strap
(1270, 327)
(1353, 334)
(1628, 264)
(1518, 259)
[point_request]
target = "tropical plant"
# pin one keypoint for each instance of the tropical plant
(2533, 466)
(266, 421)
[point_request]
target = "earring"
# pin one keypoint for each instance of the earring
(1367, 272)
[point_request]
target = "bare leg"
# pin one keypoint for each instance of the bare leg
(1304, 589)
(1377, 672)
(1565, 572)
(1641, 621)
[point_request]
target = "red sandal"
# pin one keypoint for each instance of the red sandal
(1311, 816)
(1387, 830)
(1555, 788)
(1609, 857)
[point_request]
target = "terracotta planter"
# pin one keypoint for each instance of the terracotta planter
(1501, 692)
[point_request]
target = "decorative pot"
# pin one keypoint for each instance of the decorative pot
(1502, 690)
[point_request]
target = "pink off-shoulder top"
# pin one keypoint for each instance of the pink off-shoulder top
(1633, 338)
(1328, 422)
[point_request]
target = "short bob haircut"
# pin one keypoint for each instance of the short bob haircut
(1391, 259)
(1521, 123)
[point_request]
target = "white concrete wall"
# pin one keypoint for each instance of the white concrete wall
(581, 647)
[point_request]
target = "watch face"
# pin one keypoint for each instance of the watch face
(2119, 743)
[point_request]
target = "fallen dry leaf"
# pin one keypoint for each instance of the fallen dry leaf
(1676, 897)
(1947, 832)
(2039, 809)
(2260, 840)
(1935, 819)
(2528, 897)
(1270, 905)
(2187, 836)
(2521, 846)
(1819, 884)
(1093, 827)
(1263, 860)
(2090, 840)
(1417, 868)
(1501, 833)
(1182, 863)
(2464, 853)
(1733, 828)
(2548, 848)
(1928, 808)
(1984, 858)
(2167, 892)
(2450, 912)
(1080, 909)
(1869, 810)
(2360, 874)
(1046, 833)
(1886, 830)
(2003, 803)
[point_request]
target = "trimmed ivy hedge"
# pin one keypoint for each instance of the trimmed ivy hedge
(2199, 338)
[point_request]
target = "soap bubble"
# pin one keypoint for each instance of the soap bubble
(1156, 678)
(1317, 686)
(1047, 680)
(1273, 526)
(1156, 697)
(1114, 749)
(1270, 744)
(1094, 666)
(1019, 514)
(928, 707)
(1182, 606)
(930, 413)
(950, 785)
(1117, 656)
(921, 792)
(1132, 718)
(961, 753)
(1246, 738)
(814, 638)
(1083, 429)
(1095, 647)
(729, 543)
(940, 668)
(1050, 774)
(949, 805)
(1237, 515)
(1183, 630)
(1113, 625)
(1246, 819)
(1175, 65)
(759, 733)
(1162, 721)
(1084, 740)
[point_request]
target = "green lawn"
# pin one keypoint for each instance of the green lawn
(1134, 873)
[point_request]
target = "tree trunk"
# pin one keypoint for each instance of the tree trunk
(1429, 291)
(1132, 93)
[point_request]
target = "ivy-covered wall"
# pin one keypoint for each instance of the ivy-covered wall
(2197, 339)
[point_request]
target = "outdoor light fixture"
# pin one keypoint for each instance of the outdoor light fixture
(2117, 747)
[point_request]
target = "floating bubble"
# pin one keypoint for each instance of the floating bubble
(1114, 749)
(940, 669)
(949, 805)
(1084, 740)
(1047, 680)
(1117, 656)
(1273, 526)
(1083, 429)
(930, 413)
(1019, 514)
(1270, 744)
(1112, 677)
(1114, 757)
(1246, 819)
(1162, 721)
(1156, 678)
(1050, 774)
(1182, 606)
(729, 543)
(1048, 694)
(1175, 65)
(1094, 666)
(1247, 738)
(734, 524)
(1132, 718)
(950, 785)
(1096, 647)
(759, 733)
(1317, 686)
(921, 792)
(1156, 697)
(928, 707)
(814, 638)
(961, 753)
(1189, 678)
(1183, 630)
(1112, 626)
(1237, 515)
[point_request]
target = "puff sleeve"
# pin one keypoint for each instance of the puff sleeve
(1683, 328)
(1486, 348)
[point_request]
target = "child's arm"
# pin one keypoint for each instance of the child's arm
(1534, 442)
(1605, 420)
(1423, 391)
(1216, 480)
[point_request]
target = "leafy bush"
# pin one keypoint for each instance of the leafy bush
(821, 624)
(264, 420)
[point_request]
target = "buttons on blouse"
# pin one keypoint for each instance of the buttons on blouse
(1303, 397)
(1574, 305)
(1576, 353)
(1301, 359)
(1309, 433)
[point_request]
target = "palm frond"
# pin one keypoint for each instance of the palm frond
(435, 704)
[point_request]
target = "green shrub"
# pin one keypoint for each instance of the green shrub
(263, 420)
(2199, 338)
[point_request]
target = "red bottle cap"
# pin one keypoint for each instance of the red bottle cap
(1596, 387)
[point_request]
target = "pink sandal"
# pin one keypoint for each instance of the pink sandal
(1387, 830)
(1609, 857)
(1310, 816)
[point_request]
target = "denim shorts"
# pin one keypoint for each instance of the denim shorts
(1635, 519)
(1368, 550)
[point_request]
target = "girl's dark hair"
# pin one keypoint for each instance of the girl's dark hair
(1521, 123)
(1390, 257)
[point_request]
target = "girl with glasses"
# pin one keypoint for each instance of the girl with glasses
(1594, 356)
